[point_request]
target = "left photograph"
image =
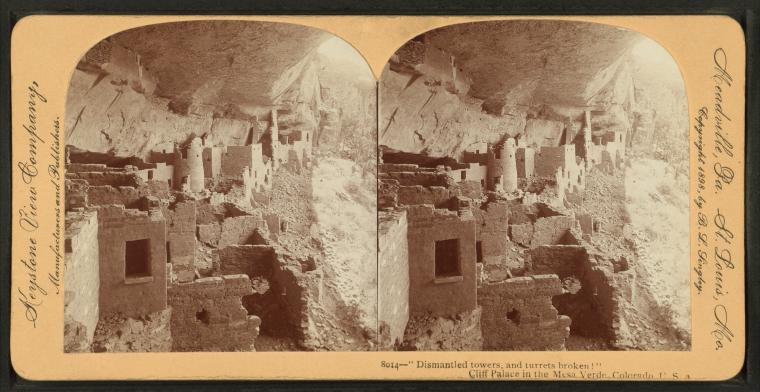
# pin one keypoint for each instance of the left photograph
(221, 191)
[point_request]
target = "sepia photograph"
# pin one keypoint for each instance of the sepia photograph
(533, 191)
(220, 191)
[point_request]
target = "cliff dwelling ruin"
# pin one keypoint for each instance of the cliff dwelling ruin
(509, 191)
(201, 159)
(249, 186)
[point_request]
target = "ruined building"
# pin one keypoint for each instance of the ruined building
(490, 247)
(167, 246)
(476, 262)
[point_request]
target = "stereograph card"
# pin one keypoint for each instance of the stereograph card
(379, 197)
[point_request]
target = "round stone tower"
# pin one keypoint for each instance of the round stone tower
(195, 165)
(509, 161)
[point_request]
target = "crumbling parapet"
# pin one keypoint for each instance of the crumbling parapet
(518, 314)
(282, 304)
(208, 315)
(593, 304)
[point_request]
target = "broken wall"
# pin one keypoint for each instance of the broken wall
(492, 231)
(592, 307)
(180, 239)
(423, 178)
(518, 314)
(552, 230)
(282, 298)
(112, 178)
(240, 230)
(208, 315)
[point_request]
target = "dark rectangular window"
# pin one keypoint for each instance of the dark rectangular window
(69, 247)
(479, 251)
(150, 174)
(137, 259)
(447, 258)
(464, 175)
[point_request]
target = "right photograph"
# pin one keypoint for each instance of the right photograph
(533, 191)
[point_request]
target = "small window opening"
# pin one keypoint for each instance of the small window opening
(69, 247)
(150, 174)
(203, 316)
(514, 316)
(137, 258)
(447, 258)
(464, 175)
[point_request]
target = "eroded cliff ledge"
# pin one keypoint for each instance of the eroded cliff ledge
(166, 82)
(441, 93)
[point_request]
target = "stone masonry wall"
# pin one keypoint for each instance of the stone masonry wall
(240, 229)
(118, 294)
(518, 314)
(423, 178)
(551, 230)
(180, 239)
(427, 294)
(492, 231)
(208, 315)
(129, 196)
(282, 306)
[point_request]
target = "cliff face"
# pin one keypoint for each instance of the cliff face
(166, 82)
(462, 84)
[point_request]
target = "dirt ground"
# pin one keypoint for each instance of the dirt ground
(345, 206)
(643, 217)
(657, 203)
